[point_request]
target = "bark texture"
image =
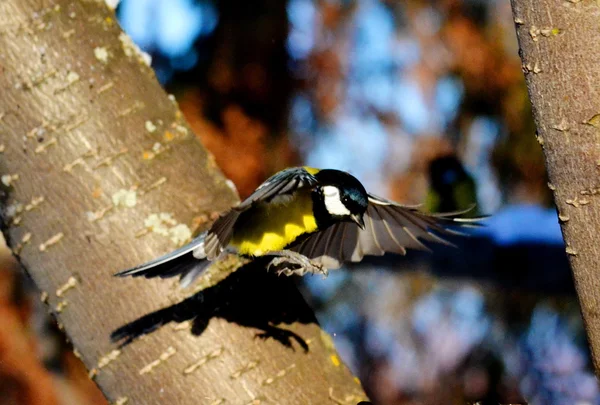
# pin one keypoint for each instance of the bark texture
(560, 50)
(100, 172)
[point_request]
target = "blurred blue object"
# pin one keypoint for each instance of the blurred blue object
(484, 134)
(342, 146)
(137, 19)
(325, 288)
(553, 364)
(409, 104)
(302, 16)
(374, 30)
(454, 320)
(448, 94)
(168, 26)
(523, 223)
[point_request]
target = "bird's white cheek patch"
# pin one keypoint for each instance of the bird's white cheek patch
(333, 203)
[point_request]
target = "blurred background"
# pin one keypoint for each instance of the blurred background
(425, 102)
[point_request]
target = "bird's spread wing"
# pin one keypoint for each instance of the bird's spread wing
(285, 182)
(279, 187)
(389, 228)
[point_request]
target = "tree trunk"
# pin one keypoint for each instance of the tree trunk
(100, 172)
(560, 50)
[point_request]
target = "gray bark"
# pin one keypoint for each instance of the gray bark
(560, 50)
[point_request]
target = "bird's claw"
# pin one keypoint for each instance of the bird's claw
(295, 266)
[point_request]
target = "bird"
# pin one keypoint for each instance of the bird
(308, 220)
(451, 187)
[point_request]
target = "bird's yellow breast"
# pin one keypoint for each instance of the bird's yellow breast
(273, 226)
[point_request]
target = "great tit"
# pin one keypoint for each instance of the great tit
(308, 220)
(451, 188)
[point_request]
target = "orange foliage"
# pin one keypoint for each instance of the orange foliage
(239, 147)
(23, 379)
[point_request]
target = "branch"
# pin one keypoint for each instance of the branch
(93, 152)
(560, 48)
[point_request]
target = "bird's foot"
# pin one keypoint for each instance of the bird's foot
(283, 336)
(290, 263)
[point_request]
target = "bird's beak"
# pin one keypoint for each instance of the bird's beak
(358, 219)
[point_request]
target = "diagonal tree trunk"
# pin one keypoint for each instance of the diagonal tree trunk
(560, 50)
(100, 172)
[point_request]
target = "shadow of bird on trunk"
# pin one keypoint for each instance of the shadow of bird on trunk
(250, 297)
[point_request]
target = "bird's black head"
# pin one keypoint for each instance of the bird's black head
(339, 197)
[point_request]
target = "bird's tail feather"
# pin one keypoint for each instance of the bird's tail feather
(188, 262)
